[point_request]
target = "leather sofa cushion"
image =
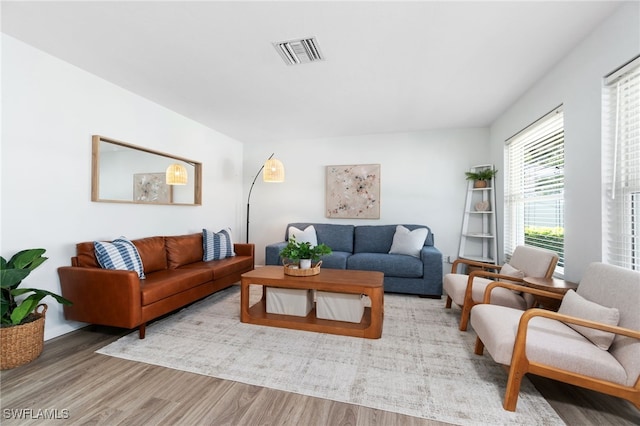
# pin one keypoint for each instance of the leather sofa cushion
(152, 253)
(86, 255)
(223, 267)
(183, 249)
(393, 265)
(169, 282)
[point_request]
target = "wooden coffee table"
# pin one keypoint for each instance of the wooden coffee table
(334, 280)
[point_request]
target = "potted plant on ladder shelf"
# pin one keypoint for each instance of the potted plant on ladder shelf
(481, 177)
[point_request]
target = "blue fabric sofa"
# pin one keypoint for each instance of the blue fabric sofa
(367, 248)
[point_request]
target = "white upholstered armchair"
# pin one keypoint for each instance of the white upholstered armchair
(593, 341)
(467, 290)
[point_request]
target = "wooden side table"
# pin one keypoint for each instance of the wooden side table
(554, 285)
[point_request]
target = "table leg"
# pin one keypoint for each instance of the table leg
(244, 300)
(374, 331)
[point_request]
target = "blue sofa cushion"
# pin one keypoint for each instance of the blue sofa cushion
(378, 238)
(393, 265)
(336, 260)
(337, 237)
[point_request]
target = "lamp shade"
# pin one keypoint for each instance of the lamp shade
(273, 171)
(176, 175)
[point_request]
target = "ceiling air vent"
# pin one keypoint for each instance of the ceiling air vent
(296, 52)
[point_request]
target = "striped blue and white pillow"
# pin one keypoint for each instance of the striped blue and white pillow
(119, 254)
(217, 245)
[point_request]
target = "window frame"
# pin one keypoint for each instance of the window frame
(534, 190)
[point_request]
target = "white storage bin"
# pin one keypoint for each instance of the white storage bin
(339, 306)
(289, 301)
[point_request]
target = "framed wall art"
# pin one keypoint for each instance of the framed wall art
(353, 191)
(151, 188)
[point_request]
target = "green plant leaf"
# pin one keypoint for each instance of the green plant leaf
(4, 307)
(41, 294)
(30, 258)
(25, 307)
(10, 278)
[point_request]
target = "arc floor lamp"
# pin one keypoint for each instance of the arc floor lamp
(273, 171)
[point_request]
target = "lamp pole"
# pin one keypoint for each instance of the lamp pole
(251, 189)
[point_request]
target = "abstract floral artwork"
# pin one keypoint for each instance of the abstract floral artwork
(151, 188)
(353, 192)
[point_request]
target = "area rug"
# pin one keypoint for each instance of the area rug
(423, 366)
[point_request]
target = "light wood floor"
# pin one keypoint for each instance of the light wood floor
(98, 389)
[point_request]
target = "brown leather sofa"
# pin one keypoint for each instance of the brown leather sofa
(175, 276)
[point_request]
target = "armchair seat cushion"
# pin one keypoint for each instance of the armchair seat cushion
(393, 265)
(455, 286)
(549, 342)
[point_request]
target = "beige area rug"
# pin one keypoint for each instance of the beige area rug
(423, 366)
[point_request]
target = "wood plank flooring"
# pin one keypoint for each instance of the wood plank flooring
(70, 379)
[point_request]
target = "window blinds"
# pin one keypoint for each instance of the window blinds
(621, 167)
(534, 187)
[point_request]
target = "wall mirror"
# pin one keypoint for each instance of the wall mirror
(125, 173)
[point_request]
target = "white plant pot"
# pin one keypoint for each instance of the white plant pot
(305, 263)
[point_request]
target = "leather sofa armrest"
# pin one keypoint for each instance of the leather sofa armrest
(246, 249)
(102, 296)
(242, 249)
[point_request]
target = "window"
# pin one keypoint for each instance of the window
(621, 167)
(534, 187)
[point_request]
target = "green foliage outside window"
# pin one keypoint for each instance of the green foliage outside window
(550, 238)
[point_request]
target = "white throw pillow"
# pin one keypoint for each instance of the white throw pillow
(408, 242)
(577, 306)
(512, 272)
(306, 236)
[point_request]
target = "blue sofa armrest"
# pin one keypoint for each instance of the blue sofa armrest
(432, 262)
(272, 253)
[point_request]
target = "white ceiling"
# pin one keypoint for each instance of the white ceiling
(390, 66)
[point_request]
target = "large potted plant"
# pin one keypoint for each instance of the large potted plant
(481, 177)
(303, 254)
(22, 325)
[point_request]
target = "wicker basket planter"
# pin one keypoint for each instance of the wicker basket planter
(21, 344)
(291, 269)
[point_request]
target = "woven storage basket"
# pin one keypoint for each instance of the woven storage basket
(297, 272)
(21, 344)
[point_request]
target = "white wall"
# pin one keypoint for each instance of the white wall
(50, 109)
(422, 181)
(576, 82)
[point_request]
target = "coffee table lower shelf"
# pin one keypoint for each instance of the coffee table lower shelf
(369, 283)
(258, 315)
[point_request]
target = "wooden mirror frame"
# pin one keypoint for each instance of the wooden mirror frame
(95, 173)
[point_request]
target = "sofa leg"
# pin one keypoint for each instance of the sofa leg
(447, 304)
(429, 296)
(142, 330)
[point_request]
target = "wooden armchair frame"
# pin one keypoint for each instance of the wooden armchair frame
(521, 365)
(468, 295)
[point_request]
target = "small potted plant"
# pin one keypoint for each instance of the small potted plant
(481, 177)
(22, 326)
(303, 253)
